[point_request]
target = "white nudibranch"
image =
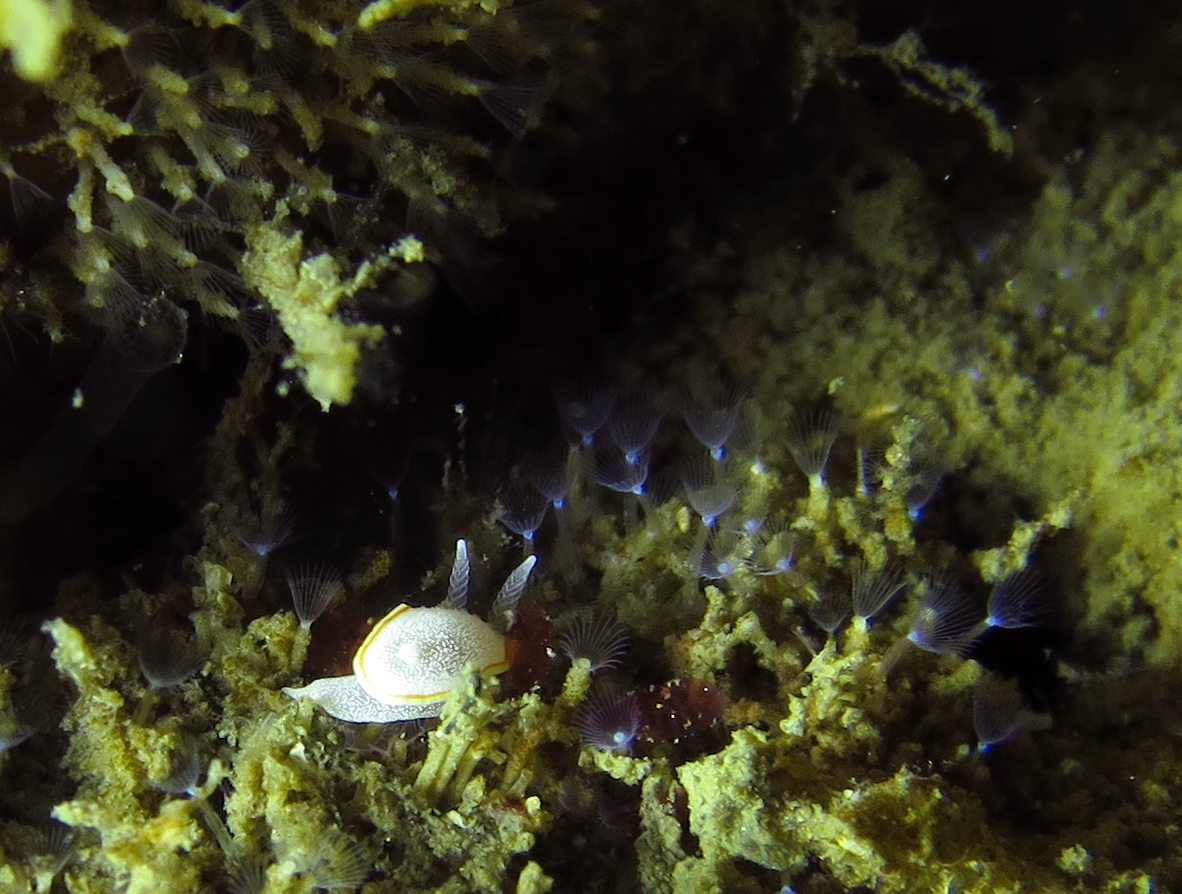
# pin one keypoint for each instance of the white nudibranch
(414, 657)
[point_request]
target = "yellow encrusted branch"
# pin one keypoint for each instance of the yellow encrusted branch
(304, 293)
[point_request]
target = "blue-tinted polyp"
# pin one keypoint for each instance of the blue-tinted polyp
(184, 778)
(945, 620)
(13, 733)
(722, 557)
(30, 202)
(871, 591)
(1000, 713)
(776, 551)
(707, 489)
(598, 638)
(266, 525)
(390, 471)
(550, 473)
(712, 417)
(168, 657)
(584, 406)
(609, 721)
(662, 486)
(632, 426)
(923, 486)
(810, 437)
(1017, 601)
(522, 509)
(12, 642)
(313, 587)
(611, 469)
(830, 611)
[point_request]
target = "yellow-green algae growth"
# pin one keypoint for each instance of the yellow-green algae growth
(31, 30)
(305, 293)
(1049, 372)
(196, 147)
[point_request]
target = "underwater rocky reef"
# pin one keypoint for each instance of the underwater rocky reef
(696, 446)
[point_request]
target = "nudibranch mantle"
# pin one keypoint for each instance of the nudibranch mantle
(414, 657)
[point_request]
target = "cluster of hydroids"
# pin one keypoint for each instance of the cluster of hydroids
(613, 441)
(714, 514)
(193, 154)
(721, 512)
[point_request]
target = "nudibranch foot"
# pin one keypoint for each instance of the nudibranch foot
(344, 699)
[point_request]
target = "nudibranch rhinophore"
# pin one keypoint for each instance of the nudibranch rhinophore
(414, 657)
